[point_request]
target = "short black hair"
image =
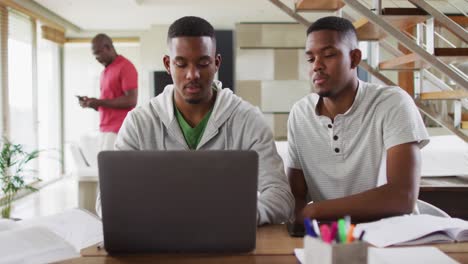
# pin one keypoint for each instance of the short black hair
(103, 39)
(190, 26)
(342, 25)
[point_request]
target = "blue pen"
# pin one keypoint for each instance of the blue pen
(308, 228)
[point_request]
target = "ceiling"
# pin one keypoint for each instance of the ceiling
(141, 14)
(137, 15)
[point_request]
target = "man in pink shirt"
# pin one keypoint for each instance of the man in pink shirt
(119, 83)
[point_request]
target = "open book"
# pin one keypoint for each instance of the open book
(413, 230)
(48, 239)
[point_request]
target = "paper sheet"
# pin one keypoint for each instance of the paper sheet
(7, 224)
(299, 252)
(413, 255)
(78, 227)
(399, 229)
(33, 245)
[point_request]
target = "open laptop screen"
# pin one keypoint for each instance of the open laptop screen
(178, 201)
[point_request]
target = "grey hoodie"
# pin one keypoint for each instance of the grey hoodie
(234, 125)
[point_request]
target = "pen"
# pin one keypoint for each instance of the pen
(347, 219)
(316, 228)
(334, 232)
(361, 236)
(308, 228)
(342, 230)
(350, 237)
(325, 233)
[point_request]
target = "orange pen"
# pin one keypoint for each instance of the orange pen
(350, 237)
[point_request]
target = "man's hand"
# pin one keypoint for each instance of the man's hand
(299, 191)
(299, 207)
(82, 101)
(307, 211)
(87, 102)
(93, 103)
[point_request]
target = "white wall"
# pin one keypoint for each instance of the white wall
(152, 50)
(254, 64)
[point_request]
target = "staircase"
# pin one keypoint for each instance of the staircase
(423, 58)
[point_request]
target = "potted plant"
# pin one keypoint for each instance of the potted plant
(13, 161)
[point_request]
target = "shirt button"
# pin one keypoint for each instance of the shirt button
(330, 126)
(337, 150)
(335, 137)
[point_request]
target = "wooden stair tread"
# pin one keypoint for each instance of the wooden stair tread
(414, 62)
(401, 18)
(402, 60)
(451, 52)
(464, 124)
(445, 95)
(464, 116)
(408, 62)
(318, 5)
(459, 19)
(404, 11)
(411, 66)
(370, 31)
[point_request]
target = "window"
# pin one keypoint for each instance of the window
(48, 107)
(3, 62)
(31, 90)
(20, 82)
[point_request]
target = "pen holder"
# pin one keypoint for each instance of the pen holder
(317, 251)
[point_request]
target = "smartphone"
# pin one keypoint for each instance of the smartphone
(295, 229)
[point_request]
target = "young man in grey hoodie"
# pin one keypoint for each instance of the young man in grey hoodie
(197, 114)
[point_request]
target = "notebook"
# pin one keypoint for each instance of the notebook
(178, 201)
(413, 230)
(48, 239)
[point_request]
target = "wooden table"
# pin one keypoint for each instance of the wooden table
(448, 193)
(167, 259)
(274, 245)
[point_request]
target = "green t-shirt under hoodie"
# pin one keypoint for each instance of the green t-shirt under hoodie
(192, 135)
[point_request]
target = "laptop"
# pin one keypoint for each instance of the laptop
(178, 201)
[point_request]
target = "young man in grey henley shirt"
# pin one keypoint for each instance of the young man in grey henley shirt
(348, 133)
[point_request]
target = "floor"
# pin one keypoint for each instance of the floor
(52, 199)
